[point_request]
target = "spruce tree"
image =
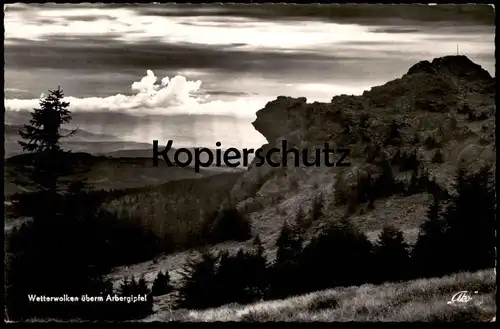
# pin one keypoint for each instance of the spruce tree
(230, 278)
(70, 266)
(391, 255)
(259, 272)
(289, 244)
(161, 284)
(44, 165)
(429, 255)
(471, 220)
(198, 277)
(142, 308)
(348, 253)
(285, 267)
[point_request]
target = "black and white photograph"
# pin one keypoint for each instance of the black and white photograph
(249, 162)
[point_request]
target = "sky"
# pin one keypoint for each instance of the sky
(144, 72)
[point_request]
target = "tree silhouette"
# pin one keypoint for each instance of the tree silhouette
(471, 220)
(438, 156)
(60, 213)
(348, 253)
(44, 131)
(429, 255)
(161, 284)
(394, 134)
(199, 282)
(258, 272)
(42, 139)
(391, 255)
(241, 277)
(130, 287)
(289, 248)
(409, 161)
(289, 244)
(384, 183)
(230, 224)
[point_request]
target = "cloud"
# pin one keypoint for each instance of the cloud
(168, 97)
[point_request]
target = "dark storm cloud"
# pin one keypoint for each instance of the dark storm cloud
(226, 93)
(394, 30)
(105, 53)
(85, 18)
(360, 13)
(70, 41)
(10, 8)
(200, 10)
(61, 6)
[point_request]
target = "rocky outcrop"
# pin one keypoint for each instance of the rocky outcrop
(432, 98)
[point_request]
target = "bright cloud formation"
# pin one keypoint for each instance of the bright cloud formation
(169, 97)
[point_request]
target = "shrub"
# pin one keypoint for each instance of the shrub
(438, 157)
(396, 158)
(303, 222)
(477, 117)
(364, 120)
(364, 188)
(384, 183)
(321, 302)
(431, 142)
(409, 161)
(341, 190)
(394, 134)
(372, 152)
(317, 207)
(416, 138)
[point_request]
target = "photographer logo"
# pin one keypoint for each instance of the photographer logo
(461, 297)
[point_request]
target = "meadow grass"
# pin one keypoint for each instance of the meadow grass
(417, 300)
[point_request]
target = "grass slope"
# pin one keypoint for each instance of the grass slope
(418, 300)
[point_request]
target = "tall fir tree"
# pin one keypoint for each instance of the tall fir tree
(199, 282)
(44, 163)
(42, 139)
(161, 284)
(289, 248)
(471, 219)
(430, 253)
(289, 244)
(55, 231)
(348, 253)
(258, 284)
(391, 254)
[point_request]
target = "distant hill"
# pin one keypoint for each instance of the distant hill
(81, 141)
